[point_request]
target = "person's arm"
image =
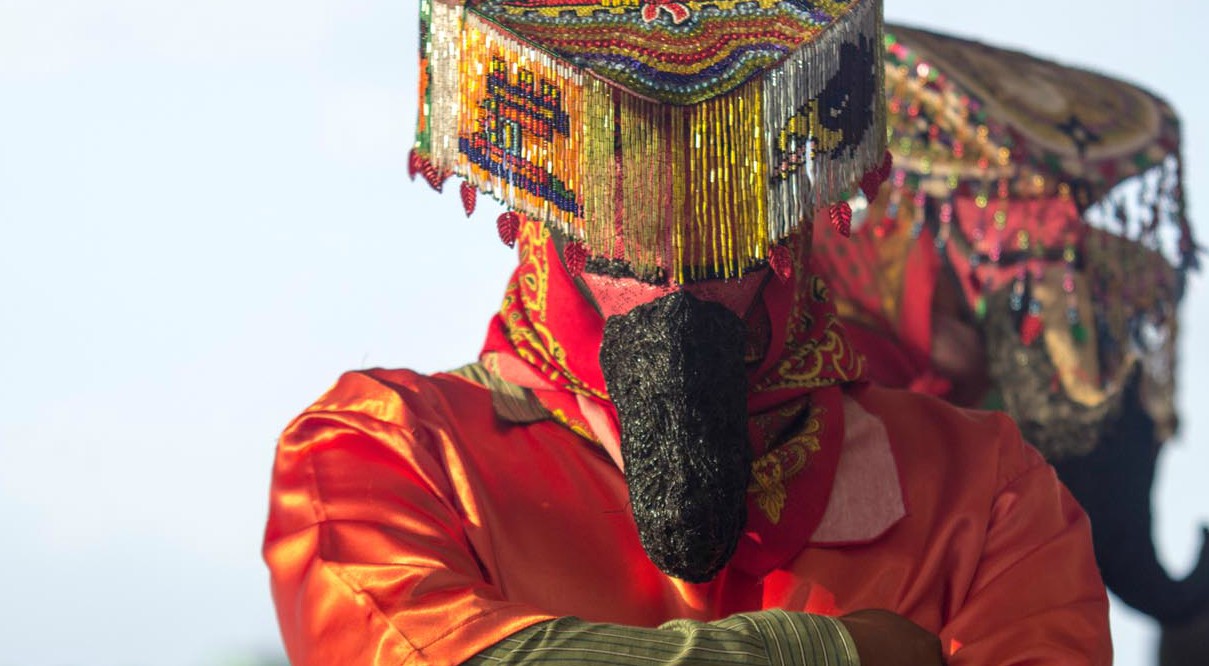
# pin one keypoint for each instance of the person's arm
(370, 565)
(1037, 597)
(773, 637)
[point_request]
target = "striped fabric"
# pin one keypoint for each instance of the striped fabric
(768, 637)
(512, 403)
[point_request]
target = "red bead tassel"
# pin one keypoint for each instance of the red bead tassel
(841, 218)
(781, 262)
(413, 163)
(575, 257)
(509, 225)
(417, 163)
(469, 198)
(886, 167)
(871, 183)
(1031, 328)
(435, 178)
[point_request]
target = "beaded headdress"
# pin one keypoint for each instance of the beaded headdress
(1052, 194)
(688, 134)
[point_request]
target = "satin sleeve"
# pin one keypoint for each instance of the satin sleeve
(1037, 597)
(368, 559)
(370, 565)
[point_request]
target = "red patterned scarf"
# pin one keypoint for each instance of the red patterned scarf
(547, 338)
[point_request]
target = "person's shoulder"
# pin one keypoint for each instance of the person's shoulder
(394, 396)
(929, 430)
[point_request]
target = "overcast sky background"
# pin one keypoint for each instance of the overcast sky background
(205, 217)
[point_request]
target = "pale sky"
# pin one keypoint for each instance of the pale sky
(205, 217)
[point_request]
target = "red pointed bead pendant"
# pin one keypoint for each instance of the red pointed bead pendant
(509, 225)
(871, 183)
(841, 218)
(469, 198)
(1031, 328)
(413, 164)
(575, 256)
(886, 167)
(781, 262)
(435, 178)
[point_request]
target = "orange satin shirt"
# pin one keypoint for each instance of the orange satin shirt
(410, 525)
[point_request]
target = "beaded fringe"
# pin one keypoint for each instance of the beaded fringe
(690, 187)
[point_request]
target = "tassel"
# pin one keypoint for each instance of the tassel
(781, 262)
(509, 225)
(575, 257)
(417, 163)
(1078, 332)
(413, 163)
(841, 218)
(871, 182)
(435, 178)
(1030, 328)
(469, 195)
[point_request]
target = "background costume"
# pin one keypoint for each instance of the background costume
(1042, 206)
(484, 514)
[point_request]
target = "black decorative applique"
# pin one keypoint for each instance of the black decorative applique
(835, 122)
(845, 107)
(1080, 134)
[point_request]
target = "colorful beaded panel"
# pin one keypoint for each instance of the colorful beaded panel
(1055, 187)
(967, 123)
(701, 189)
(1002, 108)
(674, 52)
(517, 118)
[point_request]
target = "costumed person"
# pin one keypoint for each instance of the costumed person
(1028, 253)
(667, 451)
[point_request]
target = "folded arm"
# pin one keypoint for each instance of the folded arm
(370, 565)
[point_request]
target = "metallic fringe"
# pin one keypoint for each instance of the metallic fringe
(726, 169)
(444, 51)
(789, 89)
(423, 126)
(598, 168)
(681, 186)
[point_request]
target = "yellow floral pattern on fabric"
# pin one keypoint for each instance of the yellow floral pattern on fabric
(820, 354)
(771, 471)
(524, 311)
(575, 425)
